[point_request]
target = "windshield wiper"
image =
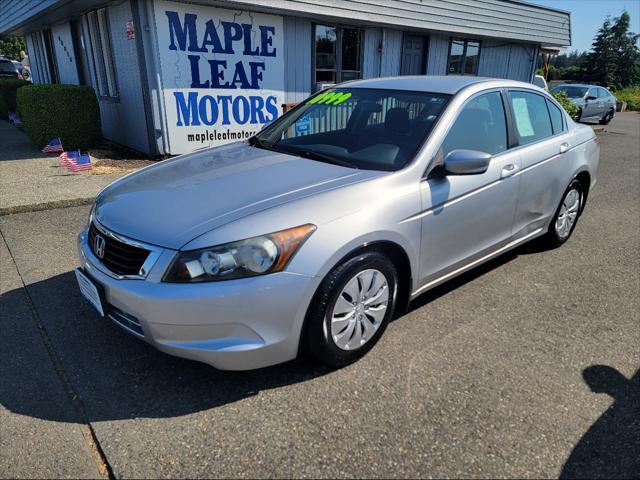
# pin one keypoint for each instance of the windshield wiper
(256, 142)
(313, 155)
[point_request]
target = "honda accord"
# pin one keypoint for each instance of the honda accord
(306, 238)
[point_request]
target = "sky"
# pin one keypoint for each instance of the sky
(587, 17)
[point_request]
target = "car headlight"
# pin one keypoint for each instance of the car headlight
(245, 258)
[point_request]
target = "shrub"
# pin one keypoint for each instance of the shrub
(8, 89)
(631, 95)
(67, 111)
(564, 101)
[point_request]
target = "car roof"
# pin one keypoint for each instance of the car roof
(445, 84)
(585, 85)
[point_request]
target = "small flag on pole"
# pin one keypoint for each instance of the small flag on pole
(54, 145)
(64, 158)
(78, 162)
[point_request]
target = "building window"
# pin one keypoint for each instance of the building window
(100, 52)
(464, 57)
(337, 54)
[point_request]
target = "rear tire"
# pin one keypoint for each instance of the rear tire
(566, 217)
(351, 309)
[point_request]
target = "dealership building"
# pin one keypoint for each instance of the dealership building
(172, 76)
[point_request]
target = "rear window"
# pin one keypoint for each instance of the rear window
(7, 67)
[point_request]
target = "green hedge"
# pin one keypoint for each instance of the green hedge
(563, 100)
(8, 89)
(67, 111)
(631, 95)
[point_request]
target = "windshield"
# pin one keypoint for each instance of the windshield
(572, 92)
(7, 67)
(358, 128)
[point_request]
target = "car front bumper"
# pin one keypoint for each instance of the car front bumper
(232, 325)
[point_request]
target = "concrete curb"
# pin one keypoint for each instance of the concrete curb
(72, 202)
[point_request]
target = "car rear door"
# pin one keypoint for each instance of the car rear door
(545, 148)
(466, 216)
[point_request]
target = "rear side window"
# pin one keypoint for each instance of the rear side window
(531, 117)
(480, 126)
(603, 93)
(556, 118)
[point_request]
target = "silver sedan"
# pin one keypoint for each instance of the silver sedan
(308, 237)
(593, 102)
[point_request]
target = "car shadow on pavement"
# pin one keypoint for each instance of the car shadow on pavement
(611, 447)
(533, 247)
(114, 375)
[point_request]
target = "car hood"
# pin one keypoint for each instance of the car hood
(177, 200)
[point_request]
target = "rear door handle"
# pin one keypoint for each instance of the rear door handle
(564, 147)
(509, 170)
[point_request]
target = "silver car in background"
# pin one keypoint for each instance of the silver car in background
(594, 102)
(309, 236)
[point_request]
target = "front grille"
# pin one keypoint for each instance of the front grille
(119, 257)
(125, 320)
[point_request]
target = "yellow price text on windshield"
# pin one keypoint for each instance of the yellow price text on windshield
(330, 98)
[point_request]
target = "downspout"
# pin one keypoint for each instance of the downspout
(144, 79)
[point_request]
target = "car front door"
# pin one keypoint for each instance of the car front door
(466, 216)
(592, 104)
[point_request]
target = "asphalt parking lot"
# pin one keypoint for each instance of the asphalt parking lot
(526, 367)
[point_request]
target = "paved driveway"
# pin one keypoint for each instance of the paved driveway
(526, 367)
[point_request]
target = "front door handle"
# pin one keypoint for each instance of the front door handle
(509, 170)
(564, 147)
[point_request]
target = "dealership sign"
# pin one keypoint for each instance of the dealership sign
(222, 73)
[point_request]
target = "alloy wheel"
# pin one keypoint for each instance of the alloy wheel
(568, 213)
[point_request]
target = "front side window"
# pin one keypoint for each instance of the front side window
(360, 128)
(531, 117)
(337, 54)
(464, 57)
(100, 52)
(481, 125)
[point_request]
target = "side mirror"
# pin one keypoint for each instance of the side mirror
(466, 162)
(591, 97)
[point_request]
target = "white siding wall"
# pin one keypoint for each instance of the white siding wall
(65, 57)
(437, 55)
(33, 57)
(391, 41)
(123, 118)
(507, 60)
(297, 58)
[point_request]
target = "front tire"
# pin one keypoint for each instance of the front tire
(351, 309)
(578, 115)
(606, 120)
(566, 217)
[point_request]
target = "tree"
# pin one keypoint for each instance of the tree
(625, 46)
(614, 60)
(601, 65)
(11, 47)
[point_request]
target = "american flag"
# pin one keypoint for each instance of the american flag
(79, 162)
(54, 145)
(64, 158)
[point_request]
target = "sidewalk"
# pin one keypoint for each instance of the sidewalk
(31, 180)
